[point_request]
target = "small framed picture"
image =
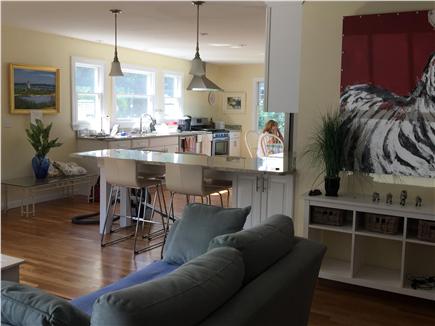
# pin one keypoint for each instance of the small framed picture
(234, 102)
(33, 88)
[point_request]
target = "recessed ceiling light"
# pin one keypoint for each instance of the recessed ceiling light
(219, 44)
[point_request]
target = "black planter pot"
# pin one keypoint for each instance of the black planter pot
(331, 186)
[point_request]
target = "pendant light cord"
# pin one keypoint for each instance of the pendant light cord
(116, 36)
(197, 28)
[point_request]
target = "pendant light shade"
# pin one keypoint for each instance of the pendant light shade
(116, 65)
(200, 82)
(197, 66)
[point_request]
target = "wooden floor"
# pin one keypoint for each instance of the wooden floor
(66, 260)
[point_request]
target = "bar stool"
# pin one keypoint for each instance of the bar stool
(124, 173)
(188, 180)
(212, 179)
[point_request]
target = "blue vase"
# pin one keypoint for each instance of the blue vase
(40, 166)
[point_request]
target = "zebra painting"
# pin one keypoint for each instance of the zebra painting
(391, 134)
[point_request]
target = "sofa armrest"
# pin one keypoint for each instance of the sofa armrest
(281, 295)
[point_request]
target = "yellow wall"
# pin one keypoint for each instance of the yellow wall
(29, 47)
(319, 91)
(238, 78)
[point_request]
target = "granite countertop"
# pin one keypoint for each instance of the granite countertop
(143, 136)
(272, 165)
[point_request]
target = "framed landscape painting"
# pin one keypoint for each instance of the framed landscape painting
(234, 102)
(33, 88)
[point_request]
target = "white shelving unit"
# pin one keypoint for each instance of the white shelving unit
(376, 260)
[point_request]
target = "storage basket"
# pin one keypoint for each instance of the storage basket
(382, 223)
(328, 216)
(426, 230)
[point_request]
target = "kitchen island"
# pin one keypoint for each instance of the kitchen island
(264, 183)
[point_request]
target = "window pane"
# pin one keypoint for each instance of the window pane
(169, 86)
(131, 83)
(87, 107)
(85, 79)
(130, 107)
(263, 117)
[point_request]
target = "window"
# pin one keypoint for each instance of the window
(87, 93)
(134, 93)
(173, 90)
(262, 116)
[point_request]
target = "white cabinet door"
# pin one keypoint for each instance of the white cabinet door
(171, 148)
(120, 144)
(278, 190)
(283, 56)
(248, 194)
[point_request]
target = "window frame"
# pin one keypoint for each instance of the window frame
(179, 75)
(132, 68)
(101, 66)
(254, 104)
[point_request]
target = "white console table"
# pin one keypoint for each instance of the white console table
(375, 260)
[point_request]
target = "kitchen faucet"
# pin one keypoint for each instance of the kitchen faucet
(151, 123)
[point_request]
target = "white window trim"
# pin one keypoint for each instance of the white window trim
(125, 67)
(254, 102)
(103, 83)
(177, 74)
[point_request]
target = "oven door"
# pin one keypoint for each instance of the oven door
(220, 146)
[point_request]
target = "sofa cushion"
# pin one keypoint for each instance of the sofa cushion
(184, 297)
(198, 225)
(151, 272)
(23, 305)
(170, 236)
(262, 245)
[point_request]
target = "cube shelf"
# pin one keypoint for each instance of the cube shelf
(377, 260)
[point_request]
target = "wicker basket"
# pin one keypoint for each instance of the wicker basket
(426, 230)
(328, 216)
(381, 223)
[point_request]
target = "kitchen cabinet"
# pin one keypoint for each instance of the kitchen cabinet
(266, 194)
(120, 144)
(283, 56)
(234, 149)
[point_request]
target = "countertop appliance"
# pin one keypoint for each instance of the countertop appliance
(184, 124)
(199, 123)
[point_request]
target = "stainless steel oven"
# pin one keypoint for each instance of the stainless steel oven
(220, 144)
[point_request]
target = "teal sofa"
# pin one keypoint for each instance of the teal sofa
(260, 276)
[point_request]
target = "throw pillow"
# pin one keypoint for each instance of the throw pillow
(262, 245)
(184, 297)
(198, 225)
(24, 305)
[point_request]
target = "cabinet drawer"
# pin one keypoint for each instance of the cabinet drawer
(120, 144)
(140, 143)
(162, 141)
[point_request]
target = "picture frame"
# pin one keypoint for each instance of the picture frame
(234, 102)
(33, 88)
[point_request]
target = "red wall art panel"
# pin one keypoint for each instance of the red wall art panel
(388, 93)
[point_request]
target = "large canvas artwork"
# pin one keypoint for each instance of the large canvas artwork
(388, 93)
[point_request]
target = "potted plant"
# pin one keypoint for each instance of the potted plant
(326, 150)
(38, 136)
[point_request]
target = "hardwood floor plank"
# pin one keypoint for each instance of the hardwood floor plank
(66, 259)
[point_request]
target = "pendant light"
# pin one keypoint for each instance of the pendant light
(199, 81)
(116, 65)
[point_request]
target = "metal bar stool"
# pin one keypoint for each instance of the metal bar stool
(124, 173)
(212, 179)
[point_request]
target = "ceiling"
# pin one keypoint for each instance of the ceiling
(235, 31)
